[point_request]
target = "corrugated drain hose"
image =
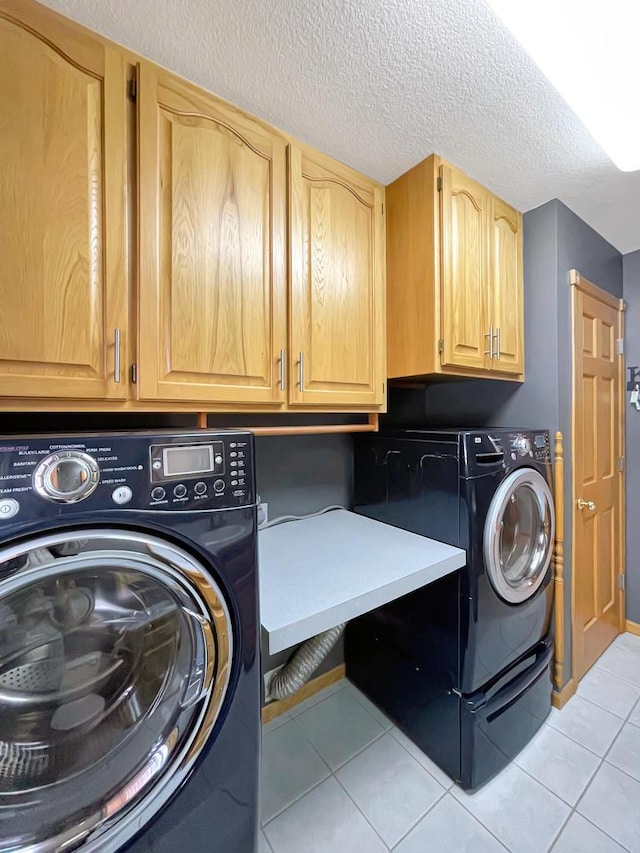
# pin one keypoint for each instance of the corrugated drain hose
(303, 663)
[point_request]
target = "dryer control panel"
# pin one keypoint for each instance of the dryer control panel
(492, 448)
(53, 475)
(532, 445)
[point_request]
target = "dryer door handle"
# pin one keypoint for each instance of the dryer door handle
(203, 671)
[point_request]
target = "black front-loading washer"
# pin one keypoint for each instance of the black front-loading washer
(462, 665)
(129, 657)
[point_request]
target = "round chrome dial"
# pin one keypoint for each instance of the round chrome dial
(523, 445)
(67, 476)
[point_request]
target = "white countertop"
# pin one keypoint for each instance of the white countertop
(321, 571)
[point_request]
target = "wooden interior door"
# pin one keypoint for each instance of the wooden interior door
(212, 288)
(598, 489)
(464, 270)
(63, 287)
(337, 278)
(506, 286)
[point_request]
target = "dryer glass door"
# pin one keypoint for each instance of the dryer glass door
(518, 535)
(115, 651)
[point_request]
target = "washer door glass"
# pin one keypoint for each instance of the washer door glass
(115, 650)
(518, 535)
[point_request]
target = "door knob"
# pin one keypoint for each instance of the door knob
(586, 505)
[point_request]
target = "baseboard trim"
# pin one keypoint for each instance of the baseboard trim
(274, 709)
(632, 627)
(560, 698)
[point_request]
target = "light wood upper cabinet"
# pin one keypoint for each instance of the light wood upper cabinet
(63, 298)
(336, 241)
(212, 289)
(166, 203)
(464, 269)
(454, 277)
(505, 294)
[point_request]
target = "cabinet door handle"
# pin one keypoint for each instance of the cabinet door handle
(283, 359)
(301, 371)
(498, 343)
(116, 355)
(489, 335)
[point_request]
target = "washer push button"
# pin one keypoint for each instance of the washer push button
(121, 495)
(8, 508)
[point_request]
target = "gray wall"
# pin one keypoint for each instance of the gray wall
(555, 241)
(631, 271)
(298, 475)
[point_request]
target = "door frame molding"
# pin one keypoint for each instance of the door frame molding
(578, 282)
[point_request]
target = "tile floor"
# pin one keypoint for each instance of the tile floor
(338, 777)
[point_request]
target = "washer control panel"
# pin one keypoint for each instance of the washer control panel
(531, 445)
(53, 475)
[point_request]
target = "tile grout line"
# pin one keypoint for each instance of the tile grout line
(477, 820)
(445, 791)
(555, 793)
(293, 802)
(448, 792)
(268, 843)
(334, 773)
(623, 719)
(331, 771)
(421, 818)
(614, 675)
(602, 760)
(572, 809)
(312, 788)
(298, 713)
(360, 810)
(356, 693)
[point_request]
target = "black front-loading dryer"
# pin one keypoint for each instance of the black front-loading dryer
(462, 665)
(129, 658)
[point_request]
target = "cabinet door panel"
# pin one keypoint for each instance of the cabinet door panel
(62, 199)
(337, 286)
(506, 292)
(212, 296)
(463, 206)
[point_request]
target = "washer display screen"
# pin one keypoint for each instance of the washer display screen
(196, 459)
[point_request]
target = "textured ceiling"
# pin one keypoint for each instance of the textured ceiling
(380, 84)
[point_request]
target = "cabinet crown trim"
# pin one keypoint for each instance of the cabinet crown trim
(4, 16)
(344, 184)
(213, 120)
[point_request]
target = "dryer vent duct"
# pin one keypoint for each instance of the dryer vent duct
(303, 663)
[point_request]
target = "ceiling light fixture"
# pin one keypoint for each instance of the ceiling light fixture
(589, 51)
